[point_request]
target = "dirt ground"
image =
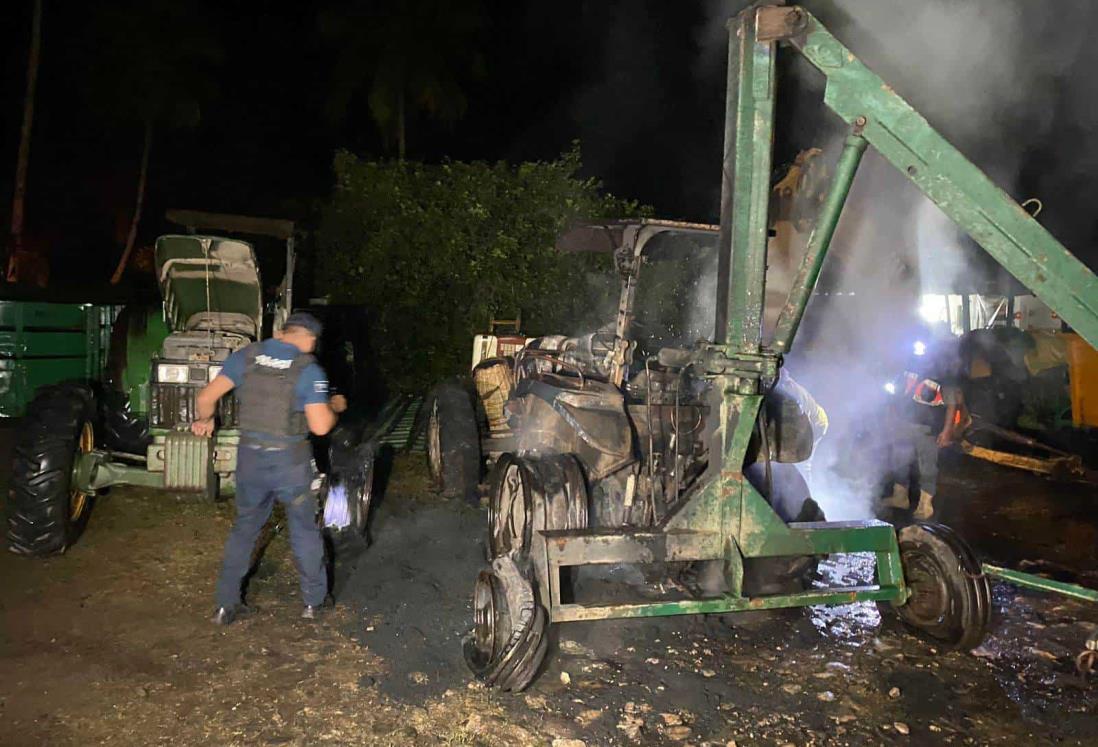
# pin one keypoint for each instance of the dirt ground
(111, 644)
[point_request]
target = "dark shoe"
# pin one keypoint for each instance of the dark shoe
(227, 615)
(224, 616)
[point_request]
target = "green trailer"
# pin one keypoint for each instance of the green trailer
(45, 343)
(127, 418)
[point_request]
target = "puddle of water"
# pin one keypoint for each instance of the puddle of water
(853, 624)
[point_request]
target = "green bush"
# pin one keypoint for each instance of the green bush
(436, 251)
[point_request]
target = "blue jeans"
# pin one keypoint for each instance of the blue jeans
(262, 477)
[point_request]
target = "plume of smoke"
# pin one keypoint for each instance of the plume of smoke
(987, 74)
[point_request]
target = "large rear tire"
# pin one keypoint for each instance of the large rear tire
(121, 429)
(46, 514)
(453, 441)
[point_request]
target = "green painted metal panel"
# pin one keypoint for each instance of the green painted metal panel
(42, 315)
(1030, 581)
(963, 192)
(46, 343)
(19, 378)
(143, 344)
(577, 612)
(40, 344)
(751, 94)
(207, 273)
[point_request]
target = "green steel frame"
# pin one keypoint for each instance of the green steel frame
(725, 519)
(1040, 583)
(46, 343)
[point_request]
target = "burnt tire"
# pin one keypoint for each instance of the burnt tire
(950, 599)
(353, 468)
(527, 495)
(453, 441)
(509, 638)
(45, 515)
(120, 429)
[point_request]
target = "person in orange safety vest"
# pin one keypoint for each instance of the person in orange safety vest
(929, 414)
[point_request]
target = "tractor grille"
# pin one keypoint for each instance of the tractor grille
(174, 404)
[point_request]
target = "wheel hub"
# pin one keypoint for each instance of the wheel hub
(78, 497)
(929, 601)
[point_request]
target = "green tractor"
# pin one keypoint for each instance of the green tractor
(133, 428)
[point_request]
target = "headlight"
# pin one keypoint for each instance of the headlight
(214, 371)
(171, 373)
(919, 348)
(890, 387)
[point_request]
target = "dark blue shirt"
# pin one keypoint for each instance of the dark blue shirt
(312, 385)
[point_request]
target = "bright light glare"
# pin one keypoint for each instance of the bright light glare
(933, 308)
(919, 348)
(890, 388)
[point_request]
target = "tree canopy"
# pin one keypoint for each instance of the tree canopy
(436, 251)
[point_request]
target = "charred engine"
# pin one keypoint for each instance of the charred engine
(645, 444)
(640, 445)
(632, 401)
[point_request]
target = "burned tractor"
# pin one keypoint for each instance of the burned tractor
(659, 441)
(607, 429)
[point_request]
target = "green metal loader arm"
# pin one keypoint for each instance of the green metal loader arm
(963, 192)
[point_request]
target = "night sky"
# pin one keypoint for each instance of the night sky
(640, 84)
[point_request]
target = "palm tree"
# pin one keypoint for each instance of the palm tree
(152, 69)
(142, 180)
(19, 193)
(411, 56)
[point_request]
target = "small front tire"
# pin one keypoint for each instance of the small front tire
(950, 598)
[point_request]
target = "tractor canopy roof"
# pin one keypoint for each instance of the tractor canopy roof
(209, 283)
(629, 235)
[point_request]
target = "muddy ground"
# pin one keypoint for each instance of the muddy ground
(111, 644)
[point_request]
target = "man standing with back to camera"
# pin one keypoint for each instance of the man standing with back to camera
(282, 395)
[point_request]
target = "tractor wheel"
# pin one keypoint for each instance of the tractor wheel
(529, 495)
(950, 598)
(46, 513)
(453, 441)
(360, 506)
(509, 640)
(122, 430)
(356, 474)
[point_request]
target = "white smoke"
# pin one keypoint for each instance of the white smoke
(982, 72)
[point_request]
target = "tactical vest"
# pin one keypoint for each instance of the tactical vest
(266, 397)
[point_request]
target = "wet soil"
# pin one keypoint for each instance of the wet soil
(111, 644)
